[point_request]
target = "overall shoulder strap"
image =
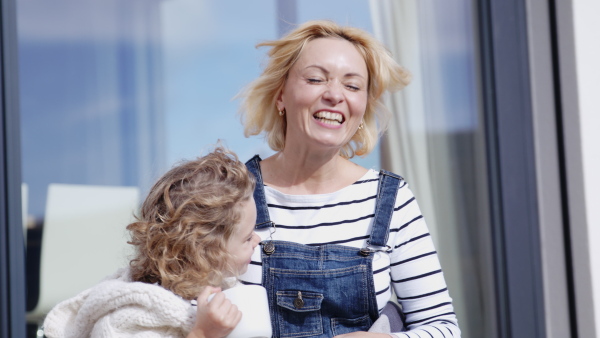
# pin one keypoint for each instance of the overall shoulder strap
(262, 212)
(384, 207)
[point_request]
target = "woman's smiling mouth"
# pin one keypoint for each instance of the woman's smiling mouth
(328, 117)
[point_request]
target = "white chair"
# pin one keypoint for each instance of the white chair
(84, 239)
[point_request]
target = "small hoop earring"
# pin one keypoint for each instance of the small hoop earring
(360, 126)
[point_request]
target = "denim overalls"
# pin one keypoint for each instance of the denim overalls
(327, 290)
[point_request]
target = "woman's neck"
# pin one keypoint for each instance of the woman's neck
(306, 173)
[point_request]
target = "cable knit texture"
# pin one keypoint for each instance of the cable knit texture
(119, 307)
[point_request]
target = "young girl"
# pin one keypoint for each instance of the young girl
(195, 234)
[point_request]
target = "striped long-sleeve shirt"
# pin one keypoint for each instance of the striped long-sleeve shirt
(344, 217)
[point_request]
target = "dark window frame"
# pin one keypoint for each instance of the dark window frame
(508, 111)
(12, 252)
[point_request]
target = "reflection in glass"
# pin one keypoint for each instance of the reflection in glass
(437, 143)
(113, 93)
(91, 115)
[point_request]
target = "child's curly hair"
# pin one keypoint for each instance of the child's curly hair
(185, 222)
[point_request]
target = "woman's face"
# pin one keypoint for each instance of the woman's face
(243, 240)
(325, 95)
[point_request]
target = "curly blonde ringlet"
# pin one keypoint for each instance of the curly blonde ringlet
(181, 234)
(259, 111)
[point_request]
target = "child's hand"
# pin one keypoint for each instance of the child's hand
(217, 318)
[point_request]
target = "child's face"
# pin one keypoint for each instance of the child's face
(243, 241)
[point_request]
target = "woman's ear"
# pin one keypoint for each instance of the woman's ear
(279, 101)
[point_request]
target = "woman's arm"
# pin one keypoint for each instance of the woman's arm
(416, 273)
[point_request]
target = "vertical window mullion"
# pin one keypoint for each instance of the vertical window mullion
(12, 251)
(507, 104)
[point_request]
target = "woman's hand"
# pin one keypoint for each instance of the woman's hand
(214, 319)
(363, 334)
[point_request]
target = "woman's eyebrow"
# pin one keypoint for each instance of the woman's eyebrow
(324, 70)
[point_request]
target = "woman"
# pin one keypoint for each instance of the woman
(194, 234)
(336, 237)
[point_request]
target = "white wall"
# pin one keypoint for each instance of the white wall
(587, 50)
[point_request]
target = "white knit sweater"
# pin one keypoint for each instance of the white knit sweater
(118, 307)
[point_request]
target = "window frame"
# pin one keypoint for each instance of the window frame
(12, 255)
(511, 150)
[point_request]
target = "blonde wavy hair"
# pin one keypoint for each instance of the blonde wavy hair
(181, 234)
(259, 111)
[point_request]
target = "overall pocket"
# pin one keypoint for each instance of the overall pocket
(342, 325)
(300, 312)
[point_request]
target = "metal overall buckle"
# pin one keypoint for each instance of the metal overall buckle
(268, 246)
(371, 249)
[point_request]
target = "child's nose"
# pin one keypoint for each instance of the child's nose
(256, 240)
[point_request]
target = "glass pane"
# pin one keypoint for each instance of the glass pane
(438, 143)
(113, 93)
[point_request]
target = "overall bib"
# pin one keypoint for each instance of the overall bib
(325, 290)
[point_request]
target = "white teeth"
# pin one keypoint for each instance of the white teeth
(330, 122)
(329, 117)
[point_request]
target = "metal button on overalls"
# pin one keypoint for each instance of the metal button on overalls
(298, 302)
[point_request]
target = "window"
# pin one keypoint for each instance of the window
(113, 94)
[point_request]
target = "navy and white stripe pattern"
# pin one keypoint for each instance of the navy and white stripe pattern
(345, 217)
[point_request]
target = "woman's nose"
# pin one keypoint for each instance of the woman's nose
(333, 92)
